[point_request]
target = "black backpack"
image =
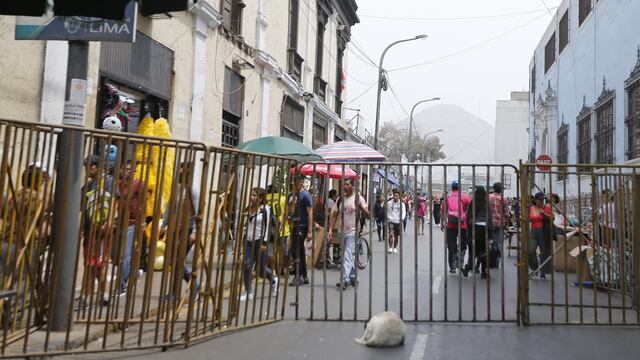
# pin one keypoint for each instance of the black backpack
(274, 223)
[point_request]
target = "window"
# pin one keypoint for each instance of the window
(319, 135)
(604, 133)
(550, 53)
(563, 39)
(632, 120)
(232, 15)
(292, 120)
(584, 137)
(563, 147)
(319, 85)
(584, 9)
(294, 60)
(232, 103)
(533, 85)
(339, 84)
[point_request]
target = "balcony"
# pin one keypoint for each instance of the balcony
(320, 87)
(294, 65)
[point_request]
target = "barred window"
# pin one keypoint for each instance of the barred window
(584, 140)
(604, 133)
(319, 135)
(633, 121)
(292, 120)
(232, 104)
(563, 148)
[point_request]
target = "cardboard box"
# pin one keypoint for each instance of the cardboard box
(319, 249)
(582, 255)
(559, 251)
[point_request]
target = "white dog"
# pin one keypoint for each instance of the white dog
(385, 329)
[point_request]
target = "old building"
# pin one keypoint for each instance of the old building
(585, 87)
(223, 72)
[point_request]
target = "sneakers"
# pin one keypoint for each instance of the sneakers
(344, 285)
(390, 251)
(123, 290)
(140, 273)
(105, 300)
(297, 281)
(395, 250)
(244, 296)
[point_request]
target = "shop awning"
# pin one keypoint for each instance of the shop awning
(390, 177)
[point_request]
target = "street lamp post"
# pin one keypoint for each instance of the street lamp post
(411, 117)
(380, 80)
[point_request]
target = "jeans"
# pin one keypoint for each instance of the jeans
(297, 251)
(128, 250)
(498, 234)
(252, 251)
(348, 265)
(539, 240)
(382, 231)
(452, 245)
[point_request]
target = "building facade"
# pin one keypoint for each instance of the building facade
(511, 142)
(223, 72)
(585, 85)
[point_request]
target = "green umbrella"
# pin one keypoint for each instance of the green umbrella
(280, 146)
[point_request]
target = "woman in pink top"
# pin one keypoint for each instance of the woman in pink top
(421, 212)
(538, 213)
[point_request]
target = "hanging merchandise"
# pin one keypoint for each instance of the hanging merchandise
(162, 130)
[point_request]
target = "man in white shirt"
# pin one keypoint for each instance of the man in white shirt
(348, 226)
(396, 213)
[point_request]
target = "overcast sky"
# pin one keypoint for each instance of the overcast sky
(478, 51)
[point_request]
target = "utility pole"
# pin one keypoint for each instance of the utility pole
(66, 222)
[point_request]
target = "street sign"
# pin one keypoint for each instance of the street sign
(543, 162)
(83, 28)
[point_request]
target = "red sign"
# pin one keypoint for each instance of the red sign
(543, 162)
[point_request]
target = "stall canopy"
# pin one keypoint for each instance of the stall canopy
(392, 179)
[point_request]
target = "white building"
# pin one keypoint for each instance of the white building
(511, 141)
(585, 84)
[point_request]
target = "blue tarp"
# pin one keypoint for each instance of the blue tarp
(390, 177)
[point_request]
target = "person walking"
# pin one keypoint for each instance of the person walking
(538, 214)
(499, 212)
(302, 231)
(480, 221)
(396, 214)
(421, 212)
(345, 215)
(437, 202)
(257, 236)
(454, 221)
(379, 212)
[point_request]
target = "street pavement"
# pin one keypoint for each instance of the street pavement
(457, 317)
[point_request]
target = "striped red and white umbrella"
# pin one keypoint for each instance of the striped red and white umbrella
(335, 171)
(347, 151)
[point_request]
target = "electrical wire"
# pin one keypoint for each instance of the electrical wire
(457, 19)
(546, 7)
(470, 48)
(361, 94)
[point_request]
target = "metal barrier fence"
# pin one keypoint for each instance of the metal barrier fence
(579, 253)
(176, 207)
(419, 276)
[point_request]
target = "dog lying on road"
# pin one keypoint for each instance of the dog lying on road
(385, 329)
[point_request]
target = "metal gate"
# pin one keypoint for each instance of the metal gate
(414, 277)
(161, 255)
(579, 263)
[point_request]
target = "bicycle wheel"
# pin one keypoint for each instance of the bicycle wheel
(363, 253)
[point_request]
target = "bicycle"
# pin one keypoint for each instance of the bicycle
(363, 252)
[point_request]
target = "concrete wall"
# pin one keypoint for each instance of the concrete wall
(511, 145)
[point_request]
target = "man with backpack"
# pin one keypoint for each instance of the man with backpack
(347, 210)
(454, 220)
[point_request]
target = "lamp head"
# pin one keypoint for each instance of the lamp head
(421, 36)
